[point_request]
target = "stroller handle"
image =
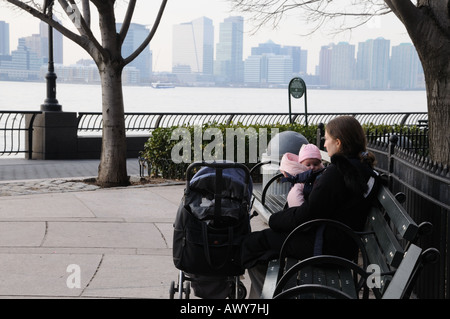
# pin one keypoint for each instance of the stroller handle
(219, 165)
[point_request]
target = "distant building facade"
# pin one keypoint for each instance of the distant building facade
(4, 38)
(22, 65)
(228, 66)
(273, 64)
(342, 65)
(372, 68)
(406, 71)
(193, 47)
(136, 35)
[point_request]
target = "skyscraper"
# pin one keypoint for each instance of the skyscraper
(325, 65)
(405, 67)
(193, 46)
(229, 65)
(380, 64)
(137, 33)
(342, 65)
(4, 38)
(299, 58)
(372, 68)
(39, 44)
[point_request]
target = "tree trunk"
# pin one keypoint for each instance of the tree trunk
(438, 96)
(112, 170)
(432, 43)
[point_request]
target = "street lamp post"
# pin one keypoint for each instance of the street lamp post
(51, 103)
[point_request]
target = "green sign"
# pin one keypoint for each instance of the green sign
(297, 88)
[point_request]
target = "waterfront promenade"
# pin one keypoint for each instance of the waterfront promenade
(62, 238)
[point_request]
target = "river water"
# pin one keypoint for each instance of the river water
(28, 96)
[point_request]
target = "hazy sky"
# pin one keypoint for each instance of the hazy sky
(289, 31)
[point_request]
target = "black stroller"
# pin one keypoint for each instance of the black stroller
(213, 217)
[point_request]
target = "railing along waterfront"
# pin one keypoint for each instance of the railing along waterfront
(147, 122)
(15, 128)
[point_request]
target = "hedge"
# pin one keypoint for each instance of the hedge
(169, 151)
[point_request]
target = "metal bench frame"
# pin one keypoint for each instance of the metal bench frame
(388, 241)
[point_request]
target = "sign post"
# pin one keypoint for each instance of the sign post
(297, 88)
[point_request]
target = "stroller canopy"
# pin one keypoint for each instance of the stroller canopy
(235, 192)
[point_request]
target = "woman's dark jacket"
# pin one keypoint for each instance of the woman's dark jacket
(340, 193)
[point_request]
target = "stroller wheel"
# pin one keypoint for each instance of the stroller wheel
(187, 290)
(172, 290)
(241, 291)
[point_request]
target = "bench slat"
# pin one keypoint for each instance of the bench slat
(319, 278)
(404, 224)
(347, 282)
(306, 278)
(388, 243)
(293, 280)
(375, 256)
(401, 279)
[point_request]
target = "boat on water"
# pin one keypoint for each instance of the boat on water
(162, 85)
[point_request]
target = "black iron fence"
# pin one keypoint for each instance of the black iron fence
(17, 126)
(427, 189)
(16, 131)
(146, 122)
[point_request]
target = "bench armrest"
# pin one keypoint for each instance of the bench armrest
(327, 222)
(270, 282)
(266, 187)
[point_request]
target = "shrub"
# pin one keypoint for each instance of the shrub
(159, 147)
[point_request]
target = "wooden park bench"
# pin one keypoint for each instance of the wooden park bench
(389, 262)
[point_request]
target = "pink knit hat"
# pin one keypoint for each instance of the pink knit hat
(289, 163)
(309, 151)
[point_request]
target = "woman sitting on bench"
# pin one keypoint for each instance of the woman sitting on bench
(343, 193)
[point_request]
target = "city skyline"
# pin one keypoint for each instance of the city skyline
(287, 33)
(341, 65)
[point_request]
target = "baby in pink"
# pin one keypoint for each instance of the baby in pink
(309, 158)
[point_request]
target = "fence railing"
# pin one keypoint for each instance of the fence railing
(410, 139)
(15, 128)
(146, 122)
(427, 189)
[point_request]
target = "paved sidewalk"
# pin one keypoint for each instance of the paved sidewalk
(27, 177)
(22, 169)
(118, 240)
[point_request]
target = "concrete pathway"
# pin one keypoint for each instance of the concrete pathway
(75, 242)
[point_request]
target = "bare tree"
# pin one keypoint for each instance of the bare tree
(427, 23)
(107, 54)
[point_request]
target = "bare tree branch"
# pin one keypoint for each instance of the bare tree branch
(38, 14)
(150, 36)
(316, 13)
(127, 20)
(82, 27)
(86, 12)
